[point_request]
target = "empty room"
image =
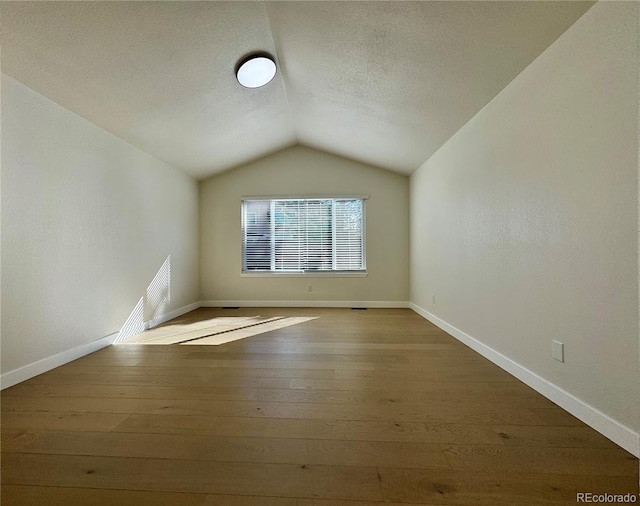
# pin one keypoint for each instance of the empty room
(317, 253)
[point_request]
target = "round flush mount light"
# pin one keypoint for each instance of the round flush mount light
(256, 70)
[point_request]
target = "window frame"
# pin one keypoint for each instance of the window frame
(304, 274)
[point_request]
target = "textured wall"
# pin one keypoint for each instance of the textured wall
(87, 223)
(524, 225)
(301, 171)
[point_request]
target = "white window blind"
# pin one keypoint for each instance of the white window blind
(303, 235)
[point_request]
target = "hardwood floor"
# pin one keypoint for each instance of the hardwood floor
(353, 408)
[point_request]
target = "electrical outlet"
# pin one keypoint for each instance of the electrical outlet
(309, 288)
(557, 351)
(433, 298)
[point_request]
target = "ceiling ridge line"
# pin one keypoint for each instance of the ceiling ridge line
(279, 63)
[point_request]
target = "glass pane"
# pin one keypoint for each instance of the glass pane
(349, 236)
(303, 235)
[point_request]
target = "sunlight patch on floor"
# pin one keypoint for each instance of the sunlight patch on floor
(170, 334)
(214, 331)
(254, 330)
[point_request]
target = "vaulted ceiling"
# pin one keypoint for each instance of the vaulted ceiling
(385, 83)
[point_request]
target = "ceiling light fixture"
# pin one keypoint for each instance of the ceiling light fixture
(256, 70)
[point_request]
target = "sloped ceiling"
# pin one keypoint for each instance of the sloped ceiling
(385, 83)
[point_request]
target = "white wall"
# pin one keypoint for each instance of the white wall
(524, 224)
(301, 171)
(87, 221)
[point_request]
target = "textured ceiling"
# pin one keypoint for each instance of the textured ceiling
(386, 83)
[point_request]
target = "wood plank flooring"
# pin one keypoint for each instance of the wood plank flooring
(352, 408)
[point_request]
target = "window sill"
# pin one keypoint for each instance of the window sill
(303, 274)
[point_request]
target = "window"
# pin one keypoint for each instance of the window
(303, 235)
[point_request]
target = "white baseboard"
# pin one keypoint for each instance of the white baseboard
(159, 320)
(604, 424)
(26, 372)
(305, 303)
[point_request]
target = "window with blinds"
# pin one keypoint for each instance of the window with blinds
(303, 235)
